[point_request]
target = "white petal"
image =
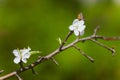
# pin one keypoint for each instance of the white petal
(75, 21)
(27, 55)
(16, 60)
(81, 28)
(76, 32)
(24, 60)
(76, 24)
(81, 33)
(16, 53)
(24, 51)
(81, 22)
(71, 27)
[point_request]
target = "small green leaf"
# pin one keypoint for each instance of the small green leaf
(35, 52)
(59, 40)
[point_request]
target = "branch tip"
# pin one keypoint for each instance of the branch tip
(113, 51)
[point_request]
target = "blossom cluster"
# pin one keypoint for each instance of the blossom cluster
(21, 55)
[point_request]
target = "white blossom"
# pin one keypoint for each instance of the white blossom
(78, 27)
(21, 55)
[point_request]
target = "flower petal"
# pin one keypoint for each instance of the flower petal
(71, 27)
(24, 51)
(16, 53)
(24, 60)
(75, 21)
(81, 22)
(27, 55)
(16, 60)
(81, 28)
(76, 32)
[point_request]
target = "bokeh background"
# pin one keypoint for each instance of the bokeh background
(38, 23)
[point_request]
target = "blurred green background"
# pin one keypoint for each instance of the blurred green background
(38, 23)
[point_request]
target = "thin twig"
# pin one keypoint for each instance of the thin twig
(108, 38)
(54, 61)
(19, 78)
(112, 38)
(103, 45)
(65, 40)
(84, 54)
(96, 30)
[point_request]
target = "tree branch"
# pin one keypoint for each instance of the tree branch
(103, 45)
(63, 48)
